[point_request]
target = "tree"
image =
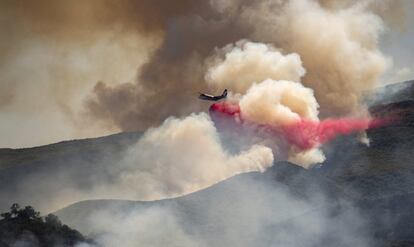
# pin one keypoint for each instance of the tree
(47, 231)
(6, 215)
(14, 209)
(53, 220)
(28, 213)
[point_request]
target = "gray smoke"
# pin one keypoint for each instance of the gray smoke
(338, 44)
(243, 211)
(62, 49)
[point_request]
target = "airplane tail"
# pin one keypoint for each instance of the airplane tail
(224, 93)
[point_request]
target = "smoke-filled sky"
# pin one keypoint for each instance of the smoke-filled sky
(75, 69)
(72, 69)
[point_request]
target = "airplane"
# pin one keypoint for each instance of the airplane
(204, 96)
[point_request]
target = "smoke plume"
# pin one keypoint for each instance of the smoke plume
(278, 103)
(51, 55)
(289, 111)
(238, 66)
(243, 211)
(337, 44)
(151, 57)
(182, 156)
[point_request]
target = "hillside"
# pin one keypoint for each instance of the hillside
(375, 183)
(26, 174)
(37, 155)
(378, 181)
(358, 191)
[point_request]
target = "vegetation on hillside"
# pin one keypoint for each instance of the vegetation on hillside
(25, 227)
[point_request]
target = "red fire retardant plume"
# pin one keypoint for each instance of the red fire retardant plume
(228, 108)
(305, 134)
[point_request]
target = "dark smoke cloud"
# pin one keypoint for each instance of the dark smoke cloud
(168, 83)
(393, 14)
(61, 49)
(82, 22)
(66, 17)
(76, 25)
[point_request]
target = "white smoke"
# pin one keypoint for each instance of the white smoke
(271, 92)
(337, 46)
(177, 158)
(306, 158)
(154, 227)
(182, 156)
(243, 212)
(278, 103)
(237, 66)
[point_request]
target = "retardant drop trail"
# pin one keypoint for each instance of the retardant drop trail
(304, 134)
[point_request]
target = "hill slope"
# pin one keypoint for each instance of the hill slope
(367, 196)
(26, 174)
(361, 196)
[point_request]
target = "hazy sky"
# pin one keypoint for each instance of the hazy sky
(398, 43)
(52, 55)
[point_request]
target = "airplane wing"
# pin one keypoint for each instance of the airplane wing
(206, 97)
